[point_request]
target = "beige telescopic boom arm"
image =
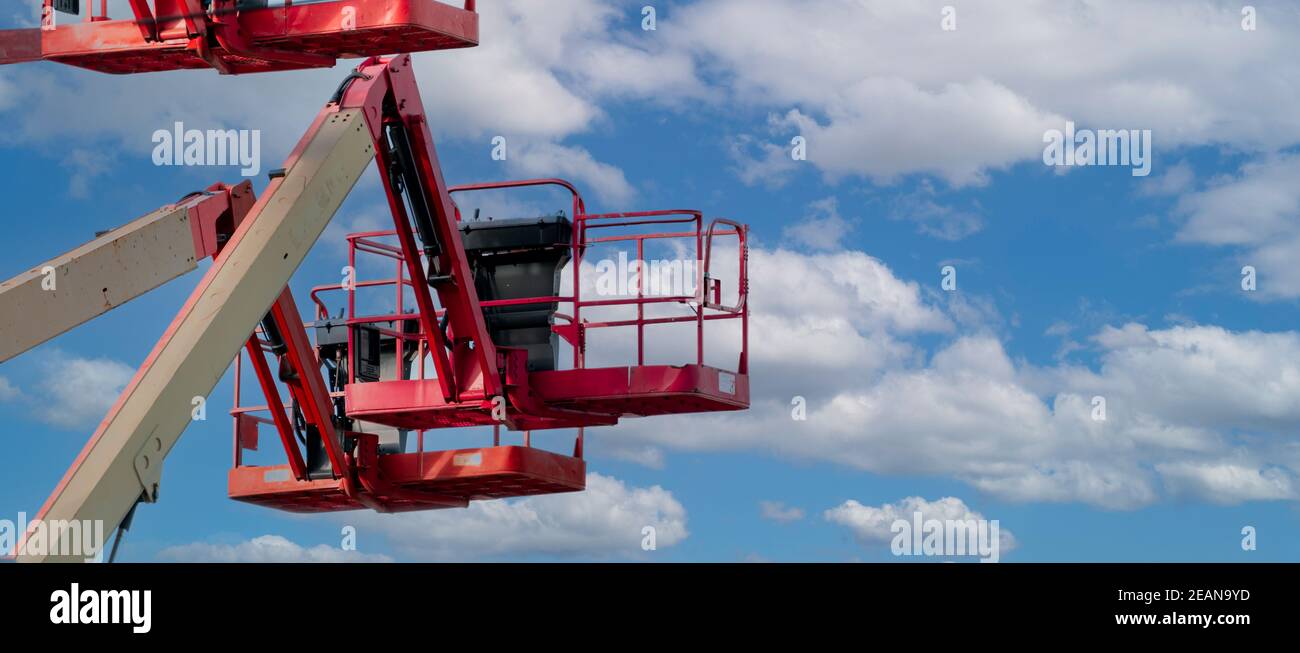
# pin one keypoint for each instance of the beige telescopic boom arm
(122, 463)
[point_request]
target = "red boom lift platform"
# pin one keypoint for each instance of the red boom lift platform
(486, 353)
(390, 395)
(240, 36)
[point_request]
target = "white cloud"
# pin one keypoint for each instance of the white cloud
(605, 521)
(77, 392)
(822, 229)
(85, 166)
(877, 88)
(884, 128)
(542, 70)
(509, 84)
(1202, 375)
(871, 525)
(8, 391)
(1226, 483)
(941, 221)
(644, 455)
(845, 284)
(881, 91)
(759, 162)
(1176, 179)
(575, 164)
(816, 318)
(843, 332)
(1255, 207)
(779, 512)
(267, 548)
(1257, 213)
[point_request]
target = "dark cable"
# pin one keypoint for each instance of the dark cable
(121, 529)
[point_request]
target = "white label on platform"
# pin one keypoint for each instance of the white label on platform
(727, 382)
(467, 459)
(275, 476)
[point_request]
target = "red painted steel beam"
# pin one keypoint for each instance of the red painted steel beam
(475, 353)
(372, 93)
(144, 19)
(387, 91)
(20, 45)
(304, 378)
(276, 406)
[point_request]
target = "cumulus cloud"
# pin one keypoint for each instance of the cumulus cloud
(543, 69)
(933, 218)
(8, 391)
(779, 512)
(644, 455)
(608, 520)
(510, 83)
(957, 133)
(843, 334)
(1227, 483)
(1256, 213)
(760, 162)
(75, 392)
(267, 548)
(575, 164)
(1176, 179)
(86, 166)
(872, 525)
(822, 229)
(829, 315)
(880, 91)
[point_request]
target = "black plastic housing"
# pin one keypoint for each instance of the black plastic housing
(518, 259)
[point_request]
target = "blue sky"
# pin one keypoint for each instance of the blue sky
(924, 150)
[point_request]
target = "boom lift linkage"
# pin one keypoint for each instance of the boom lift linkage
(336, 460)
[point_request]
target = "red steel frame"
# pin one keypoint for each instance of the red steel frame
(631, 390)
(472, 375)
(180, 34)
(384, 90)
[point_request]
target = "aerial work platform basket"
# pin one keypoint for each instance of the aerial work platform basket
(533, 277)
(238, 36)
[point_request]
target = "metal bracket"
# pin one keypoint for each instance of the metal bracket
(148, 468)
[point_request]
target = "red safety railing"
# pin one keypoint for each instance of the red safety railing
(589, 231)
(585, 223)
